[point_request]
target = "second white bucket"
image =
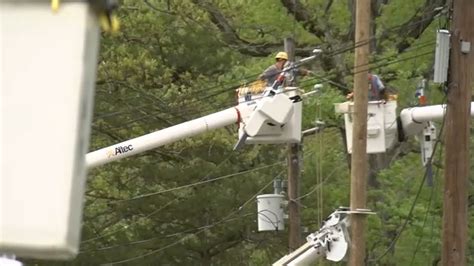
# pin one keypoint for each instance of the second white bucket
(270, 212)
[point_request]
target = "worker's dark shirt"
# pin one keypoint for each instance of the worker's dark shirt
(270, 75)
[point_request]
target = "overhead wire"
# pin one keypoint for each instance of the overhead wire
(432, 195)
(319, 171)
(332, 53)
(438, 188)
(375, 67)
(200, 230)
(218, 166)
(309, 82)
(413, 48)
(137, 242)
(316, 187)
(410, 212)
(428, 209)
(327, 78)
(196, 183)
(159, 250)
(329, 55)
(129, 225)
(126, 123)
(303, 82)
(125, 227)
(419, 46)
(203, 181)
(269, 219)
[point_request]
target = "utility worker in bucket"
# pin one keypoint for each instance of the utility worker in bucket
(271, 73)
(376, 89)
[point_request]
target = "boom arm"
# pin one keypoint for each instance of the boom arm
(162, 137)
(414, 119)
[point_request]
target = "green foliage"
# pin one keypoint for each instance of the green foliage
(393, 200)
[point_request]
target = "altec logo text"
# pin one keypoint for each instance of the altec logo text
(120, 150)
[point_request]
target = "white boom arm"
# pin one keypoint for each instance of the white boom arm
(418, 121)
(414, 119)
(162, 137)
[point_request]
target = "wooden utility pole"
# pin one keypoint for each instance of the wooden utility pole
(456, 175)
(359, 135)
(294, 227)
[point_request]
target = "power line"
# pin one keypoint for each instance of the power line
(203, 181)
(419, 46)
(319, 184)
(309, 82)
(197, 183)
(200, 230)
(187, 231)
(152, 213)
(422, 45)
(137, 242)
(149, 215)
(327, 78)
(438, 188)
(302, 86)
(414, 48)
(125, 227)
(333, 53)
(410, 212)
(424, 221)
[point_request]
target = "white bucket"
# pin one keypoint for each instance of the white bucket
(47, 85)
(270, 212)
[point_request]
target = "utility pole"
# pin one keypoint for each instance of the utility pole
(294, 228)
(456, 175)
(359, 137)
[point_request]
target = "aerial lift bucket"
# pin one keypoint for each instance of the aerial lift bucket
(47, 80)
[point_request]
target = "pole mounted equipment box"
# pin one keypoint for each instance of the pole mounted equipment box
(441, 56)
(48, 66)
(427, 139)
(270, 212)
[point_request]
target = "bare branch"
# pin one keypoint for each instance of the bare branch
(350, 33)
(232, 38)
(158, 9)
(302, 15)
(328, 7)
(230, 35)
(324, 32)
